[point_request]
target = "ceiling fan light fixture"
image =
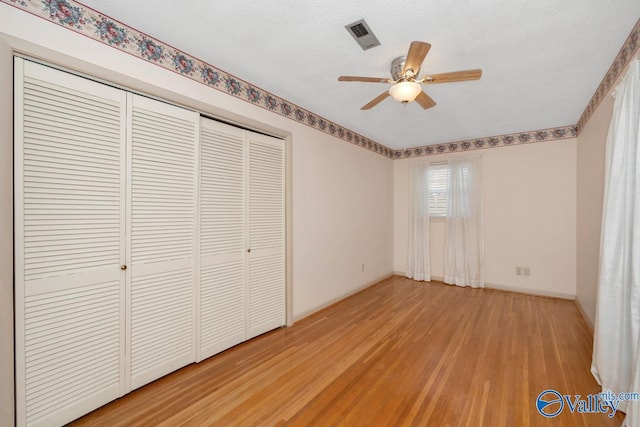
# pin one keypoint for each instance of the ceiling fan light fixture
(405, 92)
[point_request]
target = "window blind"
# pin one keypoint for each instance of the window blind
(438, 189)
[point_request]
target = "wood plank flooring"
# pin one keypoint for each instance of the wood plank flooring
(399, 353)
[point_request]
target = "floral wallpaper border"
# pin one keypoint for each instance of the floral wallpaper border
(520, 138)
(629, 49)
(88, 22)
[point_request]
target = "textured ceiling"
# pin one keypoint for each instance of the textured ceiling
(541, 60)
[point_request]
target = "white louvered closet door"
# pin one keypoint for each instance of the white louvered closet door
(266, 233)
(222, 294)
(163, 219)
(69, 244)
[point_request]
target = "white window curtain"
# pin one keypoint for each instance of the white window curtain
(464, 241)
(418, 264)
(616, 352)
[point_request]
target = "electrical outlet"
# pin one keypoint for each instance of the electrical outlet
(362, 267)
(526, 271)
(518, 271)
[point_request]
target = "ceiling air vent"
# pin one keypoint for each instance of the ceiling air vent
(361, 32)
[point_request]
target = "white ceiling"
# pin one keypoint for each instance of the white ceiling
(542, 60)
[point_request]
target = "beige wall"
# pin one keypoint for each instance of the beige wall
(6, 237)
(590, 192)
(530, 217)
(343, 218)
(342, 195)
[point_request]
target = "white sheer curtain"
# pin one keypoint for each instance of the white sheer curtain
(616, 352)
(418, 264)
(464, 241)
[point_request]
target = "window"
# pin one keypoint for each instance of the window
(438, 190)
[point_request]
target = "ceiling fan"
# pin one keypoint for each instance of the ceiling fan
(406, 86)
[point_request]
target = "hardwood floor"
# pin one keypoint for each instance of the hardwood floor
(397, 354)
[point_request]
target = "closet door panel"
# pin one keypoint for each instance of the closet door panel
(163, 144)
(69, 244)
(266, 230)
(222, 292)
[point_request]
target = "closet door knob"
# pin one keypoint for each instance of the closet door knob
(249, 250)
(123, 267)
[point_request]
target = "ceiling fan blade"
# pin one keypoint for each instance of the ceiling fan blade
(456, 76)
(425, 100)
(375, 101)
(417, 52)
(364, 79)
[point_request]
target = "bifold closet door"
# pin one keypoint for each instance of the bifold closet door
(266, 233)
(222, 294)
(137, 251)
(69, 244)
(242, 236)
(163, 237)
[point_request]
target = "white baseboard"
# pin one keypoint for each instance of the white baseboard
(509, 288)
(531, 291)
(306, 313)
(583, 313)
